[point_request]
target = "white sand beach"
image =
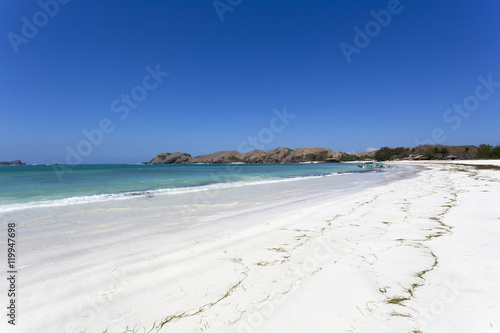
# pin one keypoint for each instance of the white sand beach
(418, 254)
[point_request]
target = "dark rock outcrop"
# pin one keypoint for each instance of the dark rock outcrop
(171, 158)
(312, 154)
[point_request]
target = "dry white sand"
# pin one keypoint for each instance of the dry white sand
(416, 255)
(453, 162)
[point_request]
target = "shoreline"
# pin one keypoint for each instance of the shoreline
(219, 176)
(376, 259)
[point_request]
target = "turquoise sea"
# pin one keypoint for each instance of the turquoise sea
(47, 185)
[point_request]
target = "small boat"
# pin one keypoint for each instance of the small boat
(373, 165)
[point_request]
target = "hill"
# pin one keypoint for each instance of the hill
(278, 155)
(319, 154)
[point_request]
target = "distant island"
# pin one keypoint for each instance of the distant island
(16, 162)
(326, 155)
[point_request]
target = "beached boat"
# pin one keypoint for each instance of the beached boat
(372, 165)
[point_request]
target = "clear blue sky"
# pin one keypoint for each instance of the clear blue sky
(226, 76)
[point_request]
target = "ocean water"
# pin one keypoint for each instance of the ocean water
(45, 186)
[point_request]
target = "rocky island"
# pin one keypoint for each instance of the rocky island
(16, 162)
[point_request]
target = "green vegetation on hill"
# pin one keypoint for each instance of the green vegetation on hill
(438, 152)
(386, 153)
(488, 152)
(235, 159)
(351, 157)
(164, 156)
